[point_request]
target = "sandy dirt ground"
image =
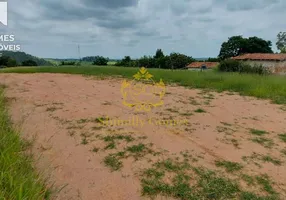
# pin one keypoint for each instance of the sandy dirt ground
(62, 114)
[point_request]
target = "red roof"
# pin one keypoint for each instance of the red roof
(261, 56)
(200, 64)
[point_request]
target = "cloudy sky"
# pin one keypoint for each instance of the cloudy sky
(115, 28)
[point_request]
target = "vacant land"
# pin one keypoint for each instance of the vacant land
(229, 146)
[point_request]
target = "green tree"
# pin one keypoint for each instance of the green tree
(178, 61)
(11, 63)
(100, 60)
(7, 61)
(238, 45)
(159, 54)
(126, 59)
(257, 45)
(281, 42)
(4, 60)
(127, 62)
(29, 63)
(213, 60)
(147, 61)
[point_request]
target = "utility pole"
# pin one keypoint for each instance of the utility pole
(79, 54)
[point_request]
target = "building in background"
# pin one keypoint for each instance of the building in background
(202, 65)
(275, 63)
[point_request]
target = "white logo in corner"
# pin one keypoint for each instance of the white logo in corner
(4, 13)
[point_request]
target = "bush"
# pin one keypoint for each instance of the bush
(230, 65)
(100, 60)
(256, 69)
(68, 63)
(29, 63)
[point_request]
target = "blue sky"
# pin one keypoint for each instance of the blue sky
(115, 28)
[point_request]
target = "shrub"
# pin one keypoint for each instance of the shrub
(230, 65)
(100, 60)
(68, 63)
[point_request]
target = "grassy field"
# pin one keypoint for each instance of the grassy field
(18, 179)
(264, 87)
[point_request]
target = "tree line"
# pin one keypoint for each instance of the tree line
(234, 46)
(159, 60)
(7, 61)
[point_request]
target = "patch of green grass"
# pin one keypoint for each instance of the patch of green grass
(111, 138)
(172, 166)
(264, 87)
(179, 180)
(110, 145)
(121, 154)
(18, 179)
(136, 148)
(282, 137)
(179, 186)
(266, 184)
(216, 187)
(267, 143)
(200, 110)
(154, 173)
(138, 151)
(258, 132)
(264, 158)
(248, 179)
(252, 196)
(113, 162)
(229, 166)
(271, 160)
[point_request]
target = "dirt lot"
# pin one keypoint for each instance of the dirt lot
(63, 114)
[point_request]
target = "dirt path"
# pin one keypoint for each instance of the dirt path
(62, 113)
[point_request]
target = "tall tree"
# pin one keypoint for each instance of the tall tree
(281, 42)
(238, 45)
(159, 54)
(257, 45)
